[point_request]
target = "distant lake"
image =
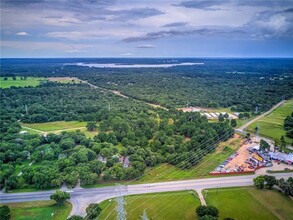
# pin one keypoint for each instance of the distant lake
(121, 65)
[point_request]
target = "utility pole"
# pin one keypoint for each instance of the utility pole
(26, 110)
(256, 110)
(144, 215)
(121, 212)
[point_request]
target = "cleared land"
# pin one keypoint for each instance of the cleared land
(167, 172)
(171, 205)
(272, 125)
(64, 79)
(250, 203)
(29, 81)
(55, 126)
(39, 210)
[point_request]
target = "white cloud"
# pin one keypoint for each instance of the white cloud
(33, 45)
(23, 33)
(126, 54)
(146, 46)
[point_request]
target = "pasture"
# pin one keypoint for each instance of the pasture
(272, 125)
(18, 82)
(170, 205)
(250, 203)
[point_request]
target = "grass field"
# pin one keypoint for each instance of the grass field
(250, 203)
(55, 126)
(30, 81)
(39, 210)
(171, 206)
(64, 79)
(271, 126)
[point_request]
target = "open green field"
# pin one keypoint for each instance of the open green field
(250, 203)
(30, 81)
(39, 210)
(272, 125)
(170, 205)
(64, 79)
(55, 126)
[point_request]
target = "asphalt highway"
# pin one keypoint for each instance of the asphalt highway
(81, 198)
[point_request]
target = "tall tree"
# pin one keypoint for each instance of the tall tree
(60, 196)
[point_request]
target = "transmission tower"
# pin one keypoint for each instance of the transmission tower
(144, 215)
(121, 212)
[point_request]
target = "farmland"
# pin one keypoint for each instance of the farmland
(272, 125)
(18, 82)
(250, 203)
(171, 205)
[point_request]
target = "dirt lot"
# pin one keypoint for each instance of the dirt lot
(243, 154)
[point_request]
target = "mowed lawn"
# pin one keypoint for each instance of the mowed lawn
(250, 203)
(30, 81)
(272, 125)
(55, 126)
(166, 172)
(170, 205)
(44, 210)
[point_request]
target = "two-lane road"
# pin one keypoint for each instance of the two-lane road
(81, 198)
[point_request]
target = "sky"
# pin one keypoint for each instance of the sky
(146, 28)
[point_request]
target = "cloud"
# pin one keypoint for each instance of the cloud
(126, 54)
(202, 4)
(206, 31)
(23, 33)
(271, 24)
(146, 46)
(175, 24)
(33, 45)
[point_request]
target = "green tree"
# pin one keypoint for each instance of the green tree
(91, 126)
(75, 217)
(208, 217)
(270, 181)
(5, 212)
(233, 123)
(259, 182)
(283, 143)
(203, 210)
(264, 145)
(93, 211)
(60, 196)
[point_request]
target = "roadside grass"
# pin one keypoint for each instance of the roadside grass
(39, 210)
(168, 205)
(64, 79)
(55, 126)
(30, 81)
(250, 203)
(272, 125)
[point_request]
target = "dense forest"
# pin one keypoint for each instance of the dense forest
(148, 137)
(241, 84)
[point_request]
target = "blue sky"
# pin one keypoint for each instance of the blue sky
(151, 28)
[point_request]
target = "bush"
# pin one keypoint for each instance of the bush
(203, 210)
(5, 212)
